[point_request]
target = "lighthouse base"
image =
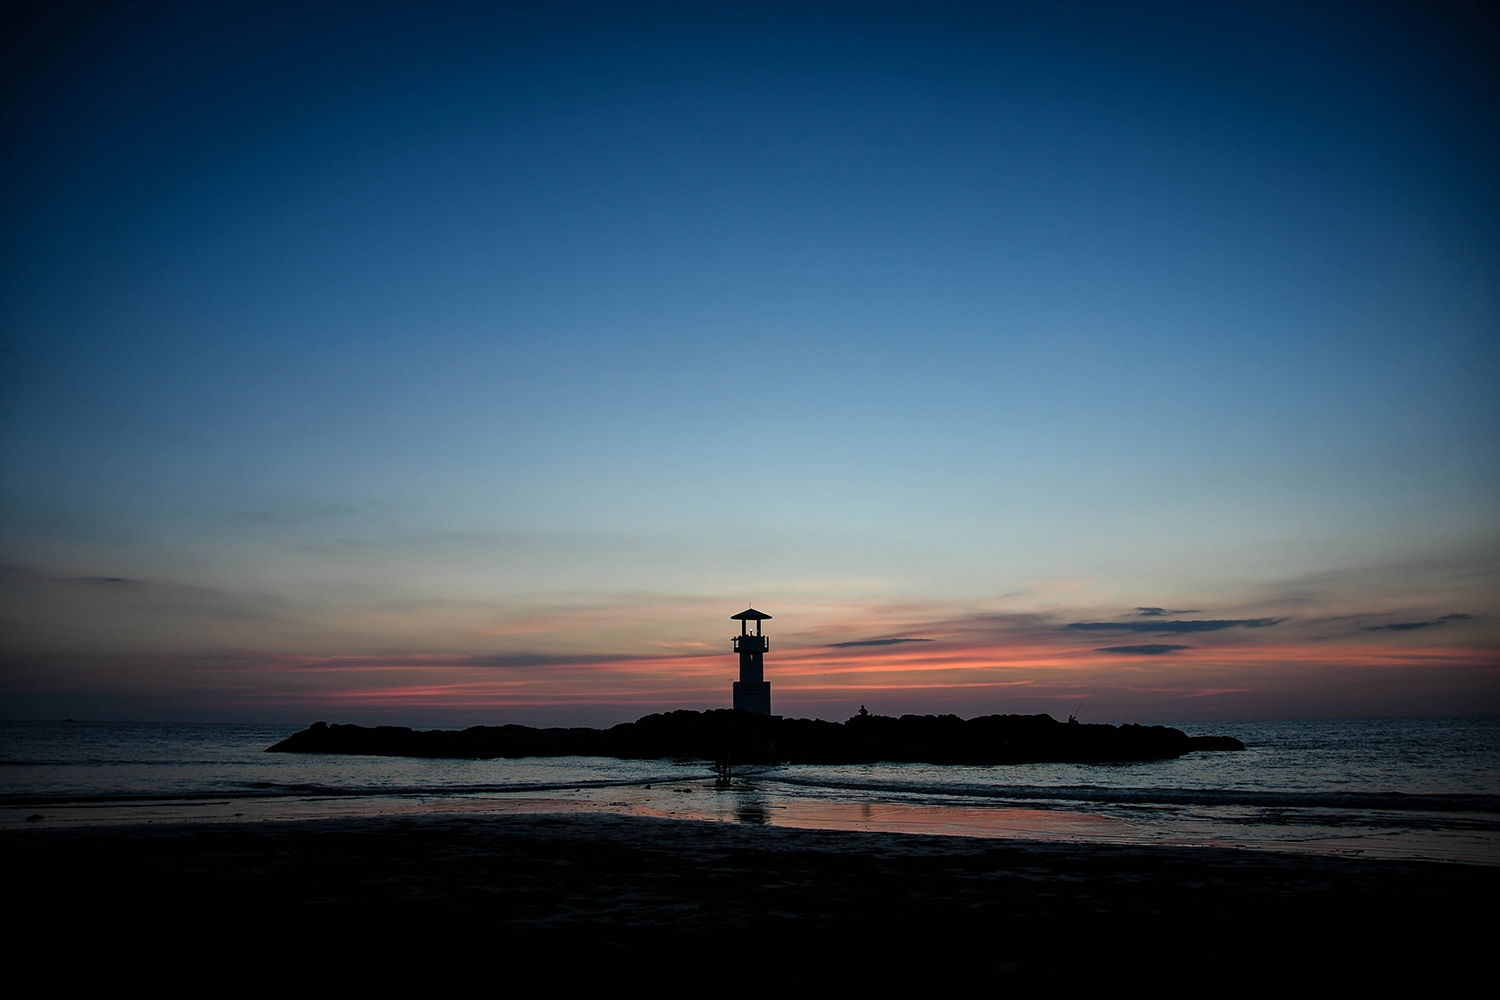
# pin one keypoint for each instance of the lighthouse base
(753, 696)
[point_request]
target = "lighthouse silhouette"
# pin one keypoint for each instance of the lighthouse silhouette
(752, 692)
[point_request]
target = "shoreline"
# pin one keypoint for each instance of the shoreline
(612, 881)
(770, 802)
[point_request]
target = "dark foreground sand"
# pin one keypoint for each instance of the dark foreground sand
(402, 899)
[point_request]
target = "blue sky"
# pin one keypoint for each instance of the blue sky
(442, 317)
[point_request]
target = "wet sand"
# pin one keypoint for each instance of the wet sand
(384, 898)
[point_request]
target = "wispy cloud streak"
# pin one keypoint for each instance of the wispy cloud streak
(1413, 626)
(874, 642)
(1174, 627)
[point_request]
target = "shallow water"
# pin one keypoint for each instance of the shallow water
(1416, 788)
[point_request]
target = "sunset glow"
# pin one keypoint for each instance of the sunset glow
(471, 364)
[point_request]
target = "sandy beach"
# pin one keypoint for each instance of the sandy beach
(518, 887)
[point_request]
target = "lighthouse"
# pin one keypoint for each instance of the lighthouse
(752, 692)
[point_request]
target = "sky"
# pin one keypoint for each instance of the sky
(449, 364)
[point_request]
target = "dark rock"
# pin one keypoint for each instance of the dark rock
(1214, 743)
(730, 737)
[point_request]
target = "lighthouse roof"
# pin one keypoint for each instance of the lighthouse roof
(750, 615)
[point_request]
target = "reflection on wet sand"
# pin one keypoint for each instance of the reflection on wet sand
(751, 803)
(742, 802)
(754, 805)
(750, 807)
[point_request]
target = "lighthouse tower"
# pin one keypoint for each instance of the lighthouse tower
(752, 691)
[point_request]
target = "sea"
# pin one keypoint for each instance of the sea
(1413, 788)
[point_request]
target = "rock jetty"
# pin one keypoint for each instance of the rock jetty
(727, 735)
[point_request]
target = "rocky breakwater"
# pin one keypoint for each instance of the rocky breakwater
(726, 735)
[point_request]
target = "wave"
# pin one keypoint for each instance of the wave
(1079, 794)
(1394, 801)
(274, 790)
(1037, 793)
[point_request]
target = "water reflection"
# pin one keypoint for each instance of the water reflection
(750, 806)
(103, 773)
